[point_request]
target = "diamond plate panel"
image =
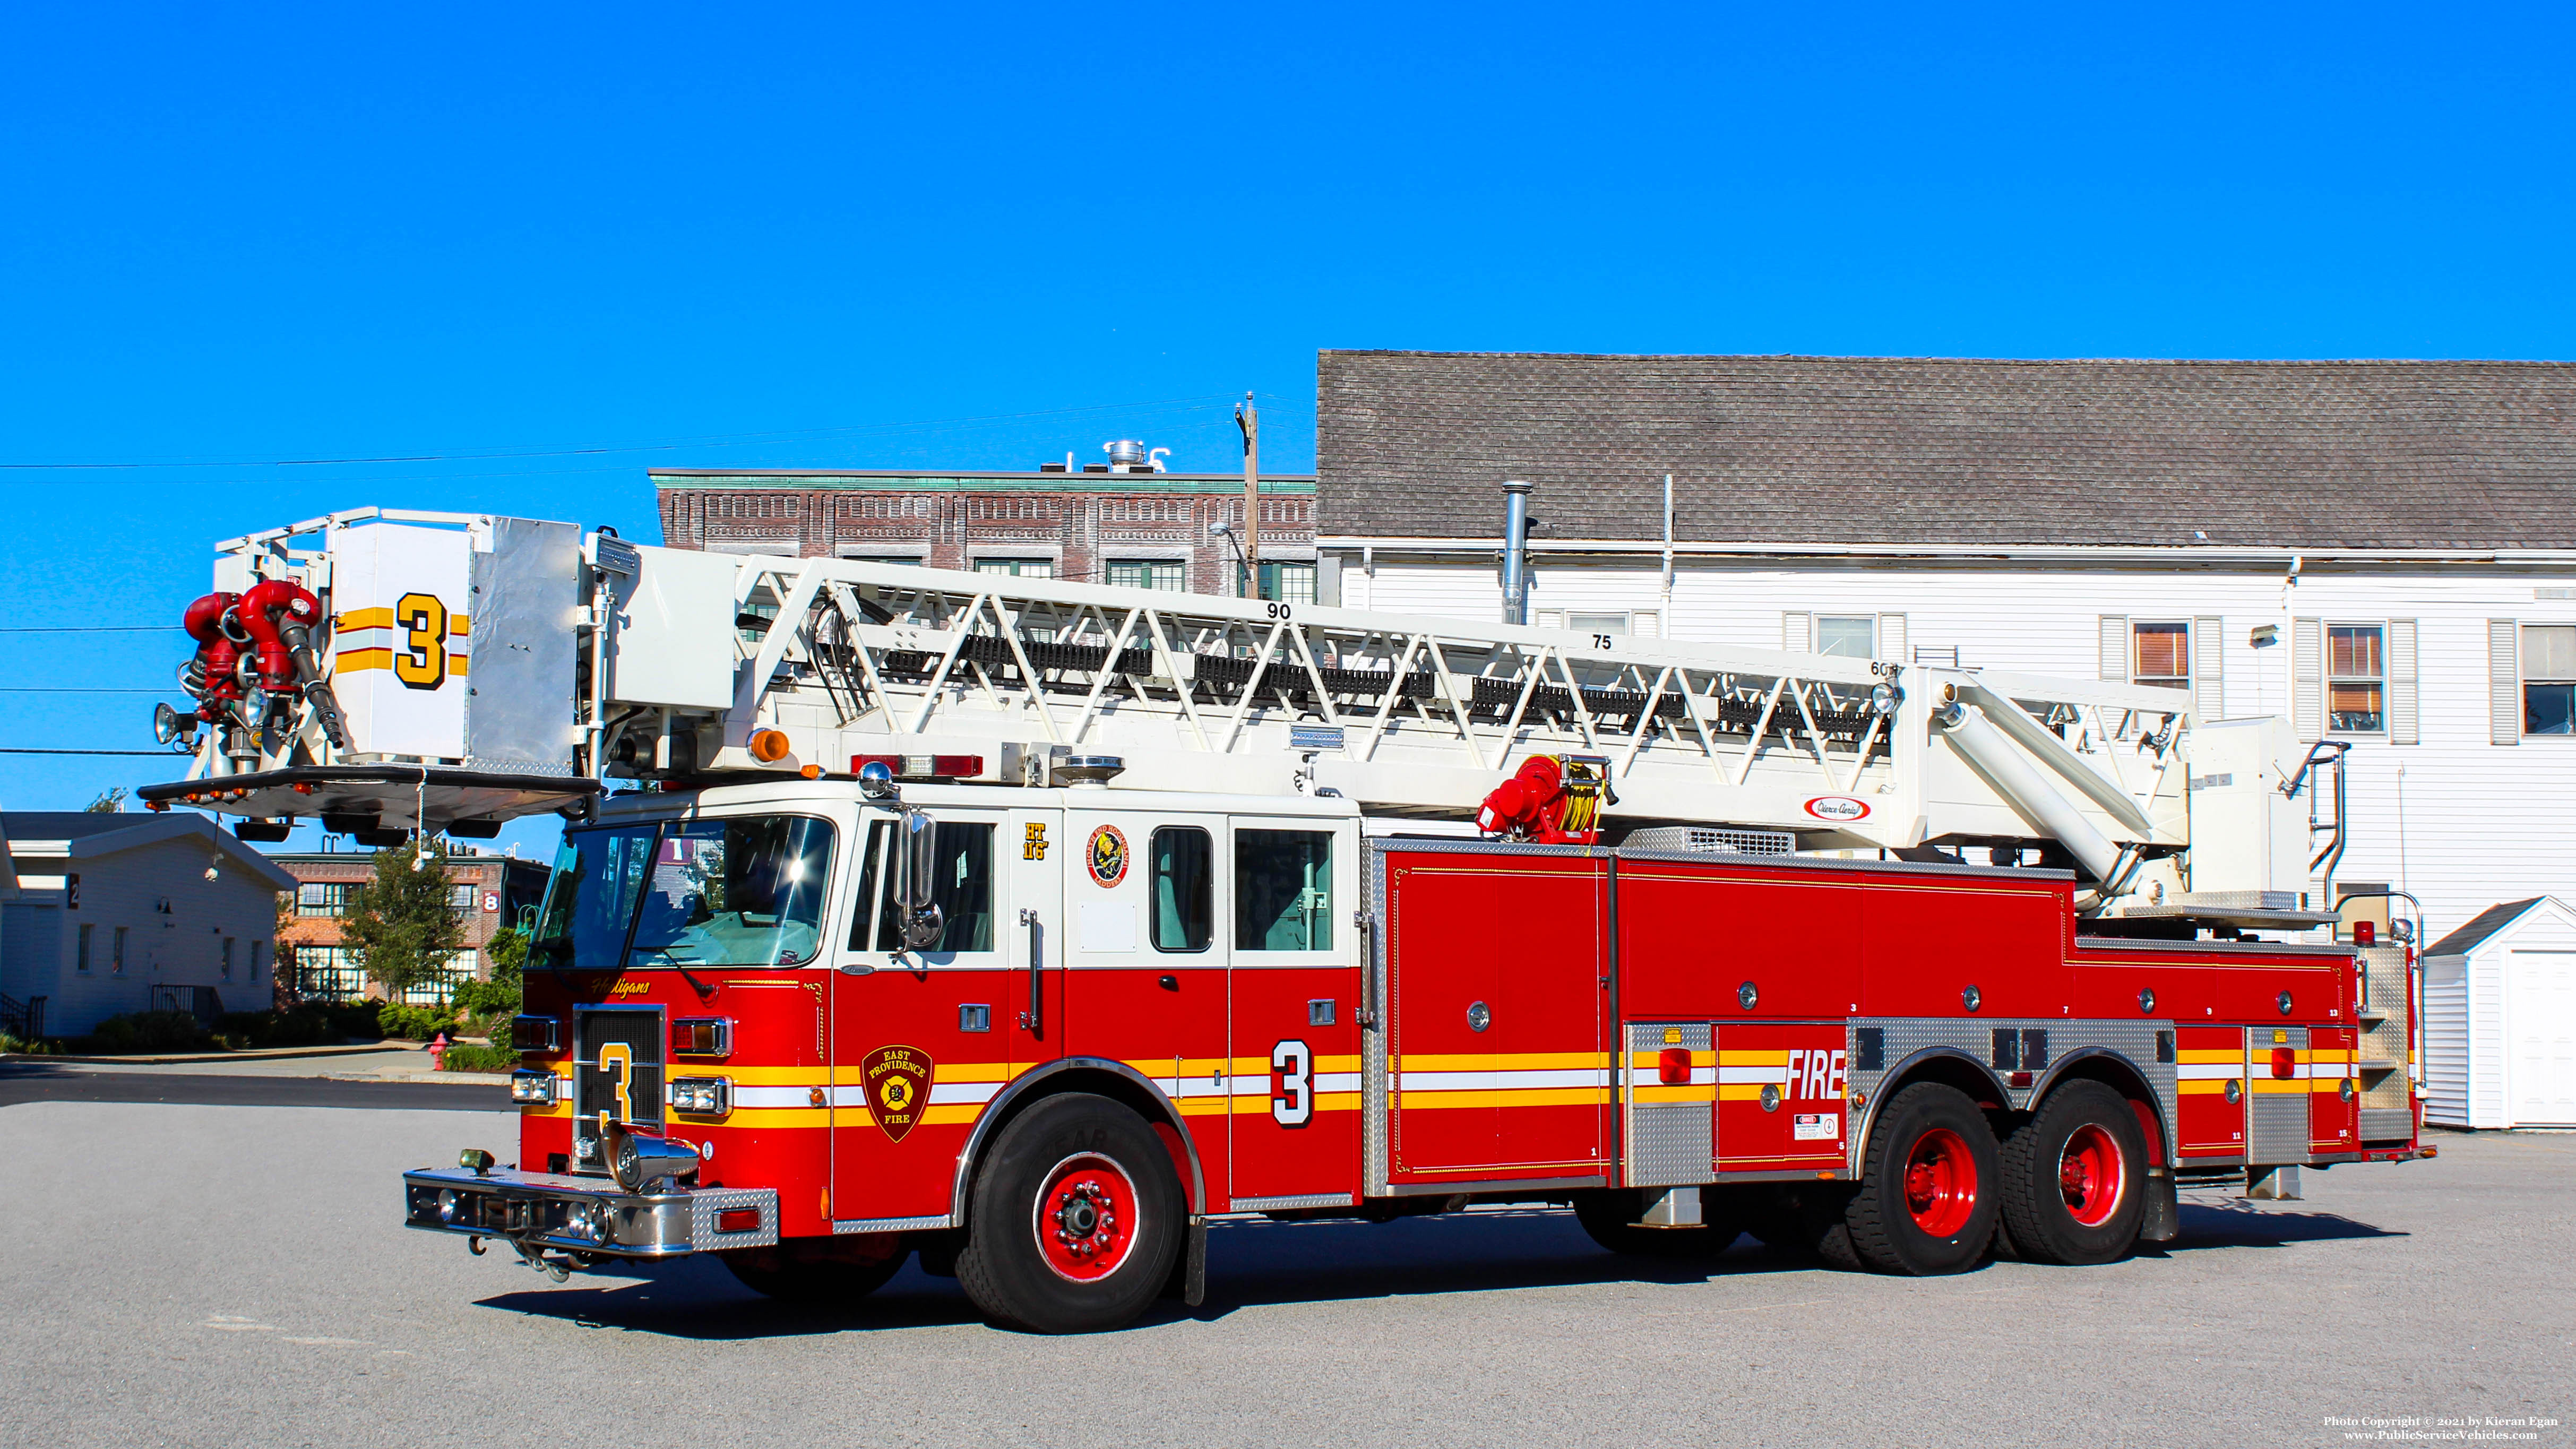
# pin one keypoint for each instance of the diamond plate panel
(2276, 1123)
(1903, 1039)
(1670, 1144)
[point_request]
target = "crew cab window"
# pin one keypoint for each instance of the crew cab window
(964, 892)
(738, 891)
(1283, 890)
(1182, 872)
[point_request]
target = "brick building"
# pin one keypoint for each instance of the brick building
(1136, 527)
(489, 893)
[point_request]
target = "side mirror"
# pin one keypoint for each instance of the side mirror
(916, 880)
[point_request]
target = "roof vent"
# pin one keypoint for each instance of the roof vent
(1711, 840)
(1129, 455)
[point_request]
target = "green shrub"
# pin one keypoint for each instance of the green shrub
(359, 1019)
(250, 1030)
(413, 1023)
(466, 1057)
(486, 999)
(148, 1031)
(10, 1043)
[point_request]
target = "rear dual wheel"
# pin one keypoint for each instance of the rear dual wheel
(1928, 1192)
(1077, 1220)
(2075, 1177)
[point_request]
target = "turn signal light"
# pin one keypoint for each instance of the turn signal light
(922, 767)
(769, 746)
(1672, 1066)
(738, 1220)
(2285, 1064)
(701, 1036)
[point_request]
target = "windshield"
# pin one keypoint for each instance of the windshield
(745, 891)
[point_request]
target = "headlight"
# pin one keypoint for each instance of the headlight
(532, 1089)
(532, 1033)
(587, 1220)
(702, 1096)
(449, 1201)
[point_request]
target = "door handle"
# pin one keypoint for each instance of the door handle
(1033, 1020)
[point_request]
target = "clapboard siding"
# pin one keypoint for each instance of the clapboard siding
(2468, 822)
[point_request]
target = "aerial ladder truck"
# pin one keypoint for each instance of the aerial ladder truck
(1028, 926)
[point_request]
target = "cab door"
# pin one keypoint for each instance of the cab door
(1287, 888)
(1032, 927)
(919, 1037)
(1144, 979)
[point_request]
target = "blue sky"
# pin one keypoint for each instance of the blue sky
(980, 238)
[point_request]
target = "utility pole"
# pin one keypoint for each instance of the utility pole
(1248, 418)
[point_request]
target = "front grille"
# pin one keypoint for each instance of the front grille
(614, 1047)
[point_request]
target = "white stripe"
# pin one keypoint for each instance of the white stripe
(1754, 1076)
(772, 1096)
(946, 1092)
(2208, 1071)
(1327, 1082)
(1492, 1081)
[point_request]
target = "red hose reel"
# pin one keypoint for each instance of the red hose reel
(1551, 799)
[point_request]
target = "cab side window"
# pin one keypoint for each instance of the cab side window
(964, 893)
(1283, 890)
(1181, 873)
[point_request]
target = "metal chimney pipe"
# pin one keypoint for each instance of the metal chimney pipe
(1516, 552)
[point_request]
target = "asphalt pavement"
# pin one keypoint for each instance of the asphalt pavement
(232, 1274)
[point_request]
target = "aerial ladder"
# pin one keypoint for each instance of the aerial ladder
(396, 671)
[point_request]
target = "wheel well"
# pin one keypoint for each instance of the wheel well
(1950, 1069)
(2120, 1075)
(1115, 1081)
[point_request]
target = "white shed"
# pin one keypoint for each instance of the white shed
(2500, 1019)
(131, 912)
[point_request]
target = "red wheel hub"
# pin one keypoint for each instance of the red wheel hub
(1940, 1182)
(1087, 1217)
(2090, 1174)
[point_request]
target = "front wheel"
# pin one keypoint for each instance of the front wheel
(1926, 1203)
(1078, 1218)
(2075, 1177)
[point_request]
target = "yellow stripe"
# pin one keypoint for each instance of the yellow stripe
(2273, 1086)
(351, 661)
(2198, 1088)
(1679, 1094)
(364, 619)
(2208, 1058)
(1778, 1058)
(1651, 1060)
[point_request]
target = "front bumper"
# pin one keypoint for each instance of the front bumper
(541, 1210)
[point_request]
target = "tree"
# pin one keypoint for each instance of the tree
(109, 801)
(398, 923)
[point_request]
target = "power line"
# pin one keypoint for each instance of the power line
(91, 629)
(160, 754)
(75, 689)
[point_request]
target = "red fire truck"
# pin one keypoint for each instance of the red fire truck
(1030, 926)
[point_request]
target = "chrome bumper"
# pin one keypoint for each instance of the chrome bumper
(540, 1210)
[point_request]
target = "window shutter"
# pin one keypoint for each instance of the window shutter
(2504, 684)
(2404, 726)
(2307, 678)
(2208, 669)
(2115, 647)
(1798, 633)
(1891, 637)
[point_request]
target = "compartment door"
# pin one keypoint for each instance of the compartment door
(2276, 1099)
(2209, 1085)
(1781, 1096)
(1497, 977)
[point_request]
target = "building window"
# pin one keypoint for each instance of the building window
(460, 900)
(2163, 656)
(328, 973)
(116, 954)
(312, 899)
(227, 964)
(1847, 636)
(1025, 568)
(2549, 679)
(258, 950)
(1149, 574)
(435, 989)
(80, 963)
(2356, 679)
(1643, 623)
(1283, 583)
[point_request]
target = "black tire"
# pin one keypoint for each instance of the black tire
(1120, 1198)
(818, 1274)
(2075, 1178)
(1928, 1189)
(1610, 1218)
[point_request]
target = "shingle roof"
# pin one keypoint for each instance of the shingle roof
(1841, 450)
(2480, 926)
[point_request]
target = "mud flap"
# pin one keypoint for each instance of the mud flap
(2163, 1221)
(1194, 1264)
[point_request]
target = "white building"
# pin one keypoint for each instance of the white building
(2500, 1019)
(131, 912)
(2385, 552)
